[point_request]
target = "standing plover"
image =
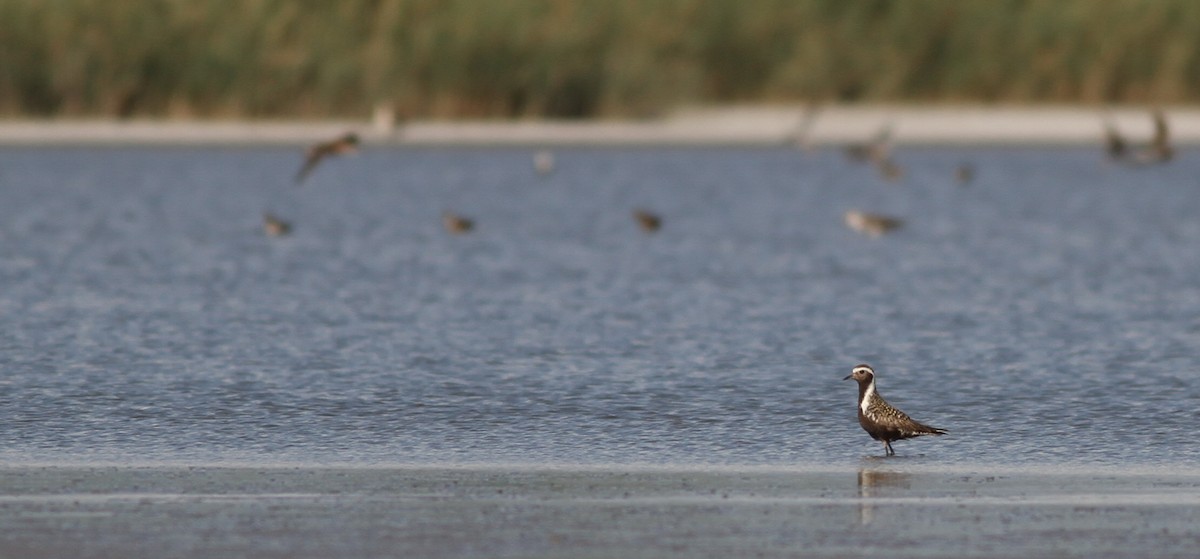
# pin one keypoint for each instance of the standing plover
(872, 225)
(879, 419)
(346, 143)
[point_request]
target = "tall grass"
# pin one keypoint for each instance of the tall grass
(564, 58)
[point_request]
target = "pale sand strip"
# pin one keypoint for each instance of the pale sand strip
(706, 126)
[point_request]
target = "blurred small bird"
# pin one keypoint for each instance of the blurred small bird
(1159, 150)
(543, 162)
(1114, 144)
(964, 174)
(874, 150)
(346, 143)
(648, 221)
(801, 135)
(384, 120)
(456, 224)
(872, 225)
(275, 227)
(878, 152)
(888, 169)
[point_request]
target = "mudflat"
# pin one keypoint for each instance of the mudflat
(882, 508)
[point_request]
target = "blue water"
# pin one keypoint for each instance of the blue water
(1047, 313)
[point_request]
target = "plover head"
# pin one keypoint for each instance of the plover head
(862, 374)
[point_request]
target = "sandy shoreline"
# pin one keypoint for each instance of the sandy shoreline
(716, 126)
(890, 507)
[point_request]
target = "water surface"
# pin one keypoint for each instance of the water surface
(1047, 313)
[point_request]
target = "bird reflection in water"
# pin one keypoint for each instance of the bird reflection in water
(874, 483)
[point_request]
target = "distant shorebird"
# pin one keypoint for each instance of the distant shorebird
(346, 143)
(876, 149)
(1114, 144)
(877, 152)
(275, 227)
(383, 119)
(872, 225)
(1159, 150)
(456, 224)
(648, 221)
(964, 174)
(879, 419)
(543, 162)
(888, 169)
(801, 135)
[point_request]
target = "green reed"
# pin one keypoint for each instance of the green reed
(582, 58)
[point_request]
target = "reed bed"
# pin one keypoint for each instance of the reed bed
(581, 58)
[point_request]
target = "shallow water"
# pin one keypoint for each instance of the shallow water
(497, 511)
(1047, 313)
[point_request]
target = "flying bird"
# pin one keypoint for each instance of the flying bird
(878, 148)
(346, 143)
(879, 419)
(801, 136)
(878, 152)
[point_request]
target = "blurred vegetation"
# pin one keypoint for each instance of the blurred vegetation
(562, 58)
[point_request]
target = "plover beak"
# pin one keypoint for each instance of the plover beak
(848, 376)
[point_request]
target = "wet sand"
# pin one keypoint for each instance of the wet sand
(882, 508)
(771, 125)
